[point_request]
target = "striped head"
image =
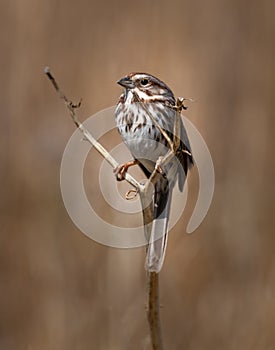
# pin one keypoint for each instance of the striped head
(143, 87)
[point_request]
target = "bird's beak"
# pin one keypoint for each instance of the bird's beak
(126, 83)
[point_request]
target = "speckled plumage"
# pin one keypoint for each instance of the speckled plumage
(146, 143)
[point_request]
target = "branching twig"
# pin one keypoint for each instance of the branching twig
(145, 191)
(87, 135)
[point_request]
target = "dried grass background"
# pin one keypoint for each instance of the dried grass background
(61, 290)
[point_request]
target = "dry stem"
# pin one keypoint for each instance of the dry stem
(153, 314)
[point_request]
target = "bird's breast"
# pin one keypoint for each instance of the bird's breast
(140, 134)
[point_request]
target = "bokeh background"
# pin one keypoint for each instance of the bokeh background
(61, 290)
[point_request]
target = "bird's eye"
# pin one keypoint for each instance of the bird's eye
(144, 82)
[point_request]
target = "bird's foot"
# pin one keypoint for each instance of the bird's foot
(121, 169)
(158, 165)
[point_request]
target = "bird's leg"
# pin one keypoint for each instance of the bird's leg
(158, 167)
(121, 169)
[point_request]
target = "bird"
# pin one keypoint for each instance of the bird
(147, 106)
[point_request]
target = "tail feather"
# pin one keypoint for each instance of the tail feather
(159, 231)
(162, 204)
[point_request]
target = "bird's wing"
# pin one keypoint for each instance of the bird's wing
(185, 159)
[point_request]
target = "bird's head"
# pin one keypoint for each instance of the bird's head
(146, 87)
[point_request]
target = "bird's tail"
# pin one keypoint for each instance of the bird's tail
(159, 229)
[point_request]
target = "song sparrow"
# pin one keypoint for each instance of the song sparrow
(145, 93)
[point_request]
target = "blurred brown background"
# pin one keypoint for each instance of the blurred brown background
(61, 290)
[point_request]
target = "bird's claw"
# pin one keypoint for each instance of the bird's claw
(158, 166)
(120, 171)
